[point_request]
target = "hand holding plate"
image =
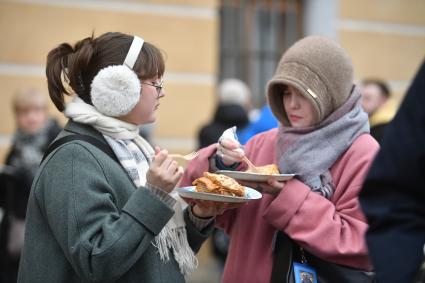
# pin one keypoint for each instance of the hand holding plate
(207, 208)
(272, 186)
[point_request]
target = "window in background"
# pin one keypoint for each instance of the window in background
(253, 36)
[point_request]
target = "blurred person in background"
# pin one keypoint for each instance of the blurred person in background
(393, 196)
(323, 138)
(102, 207)
(34, 132)
(232, 109)
(378, 104)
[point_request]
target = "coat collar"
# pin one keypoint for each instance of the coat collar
(83, 129)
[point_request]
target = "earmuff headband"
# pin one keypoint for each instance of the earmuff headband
(134, 51)
(115, 90)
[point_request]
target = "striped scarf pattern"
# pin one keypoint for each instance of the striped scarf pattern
(132, 158)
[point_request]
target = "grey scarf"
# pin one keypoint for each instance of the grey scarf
(309, 152)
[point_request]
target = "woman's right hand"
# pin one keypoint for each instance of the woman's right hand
(230, 151)
(164, 172)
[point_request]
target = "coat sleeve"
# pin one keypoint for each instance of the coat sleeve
(198, 166)
(195, 169)
(266, 155)
(331, 229)
(99, 239)
(196, 237)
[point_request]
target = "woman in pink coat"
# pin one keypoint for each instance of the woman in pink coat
(324, 139)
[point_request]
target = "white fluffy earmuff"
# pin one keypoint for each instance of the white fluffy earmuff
(115, 90)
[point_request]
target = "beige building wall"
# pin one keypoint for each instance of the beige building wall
(186, 30)
(385, 38)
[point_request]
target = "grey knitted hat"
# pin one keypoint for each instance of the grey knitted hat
(320, 69)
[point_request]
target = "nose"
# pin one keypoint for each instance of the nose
(161, 93)
(293, 101)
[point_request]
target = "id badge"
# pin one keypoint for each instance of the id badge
(304, 273)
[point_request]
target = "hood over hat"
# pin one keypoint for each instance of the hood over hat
(320, 69)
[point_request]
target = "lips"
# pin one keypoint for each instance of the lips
(293, 117)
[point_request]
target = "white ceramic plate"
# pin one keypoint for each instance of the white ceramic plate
(254, 177)
(190, 192)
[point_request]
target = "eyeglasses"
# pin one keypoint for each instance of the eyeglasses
(158, 87)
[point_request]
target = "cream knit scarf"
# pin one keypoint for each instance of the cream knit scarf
(120, 134)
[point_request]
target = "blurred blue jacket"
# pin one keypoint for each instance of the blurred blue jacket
(265, 121)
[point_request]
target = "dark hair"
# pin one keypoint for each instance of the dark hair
(78, 65)
(382, 85)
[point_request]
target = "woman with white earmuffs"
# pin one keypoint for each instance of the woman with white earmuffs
(102, 206)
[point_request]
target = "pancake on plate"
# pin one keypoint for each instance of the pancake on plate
(270, 169)
(219, 184)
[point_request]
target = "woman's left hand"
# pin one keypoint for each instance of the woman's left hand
(207, 208)
(272, 187)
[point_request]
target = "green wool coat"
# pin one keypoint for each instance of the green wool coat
(87, 222)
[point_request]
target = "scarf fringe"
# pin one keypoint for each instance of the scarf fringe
(326, 189)
(176, 240)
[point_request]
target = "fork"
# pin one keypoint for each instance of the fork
(251, 166)
(188, 156)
